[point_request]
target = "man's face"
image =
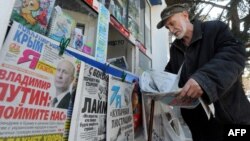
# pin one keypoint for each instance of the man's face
(64, 75)
(177, 24)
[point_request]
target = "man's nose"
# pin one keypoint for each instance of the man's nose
(59, 74)
(171, 29)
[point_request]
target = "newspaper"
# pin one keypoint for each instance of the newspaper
(137, 112)
(119, 112)
(163, 86)
(90, 110)
(36, 87)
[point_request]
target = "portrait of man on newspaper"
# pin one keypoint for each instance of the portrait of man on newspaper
(212, 61)
(63, 79)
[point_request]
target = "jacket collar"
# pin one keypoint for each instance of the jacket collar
(197, 35)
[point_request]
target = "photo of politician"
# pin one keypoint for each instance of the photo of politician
(63, 79)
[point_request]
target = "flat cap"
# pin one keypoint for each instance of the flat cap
(169, 11)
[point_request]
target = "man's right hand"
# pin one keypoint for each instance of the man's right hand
(191, 89)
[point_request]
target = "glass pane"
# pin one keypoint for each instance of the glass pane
(83, 36)
(134, 17)
(118, 8)
(144, 62)
(141, 35)
(147, 27)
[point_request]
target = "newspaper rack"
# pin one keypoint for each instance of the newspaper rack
(151, 134)
(151, 119)
(169, 100)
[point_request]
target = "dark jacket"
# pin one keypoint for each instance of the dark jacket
(64, 103)
(215, 59)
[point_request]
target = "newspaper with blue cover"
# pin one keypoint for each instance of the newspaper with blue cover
(120, 125)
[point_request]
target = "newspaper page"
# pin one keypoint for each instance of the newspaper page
(35, 86)
(90, 107)
(120, 115)
(137, 112)
(163, 86)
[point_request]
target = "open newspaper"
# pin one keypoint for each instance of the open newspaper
(163, 86)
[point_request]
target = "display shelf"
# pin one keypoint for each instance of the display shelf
(120, 27)
(141, 46)
(76, 5)
(86, 15)
(114, 22)
(119, 46)
(86, 20)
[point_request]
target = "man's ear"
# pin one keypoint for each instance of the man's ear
(186, 14)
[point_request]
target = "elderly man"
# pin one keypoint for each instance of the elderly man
(64, 77)
(213, 61)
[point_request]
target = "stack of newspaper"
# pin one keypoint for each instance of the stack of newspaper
(163, 86)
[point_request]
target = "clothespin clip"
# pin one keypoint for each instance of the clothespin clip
(123, 76)
(106, 67)
(63, 45)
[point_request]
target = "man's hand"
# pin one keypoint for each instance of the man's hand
(191, 89)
